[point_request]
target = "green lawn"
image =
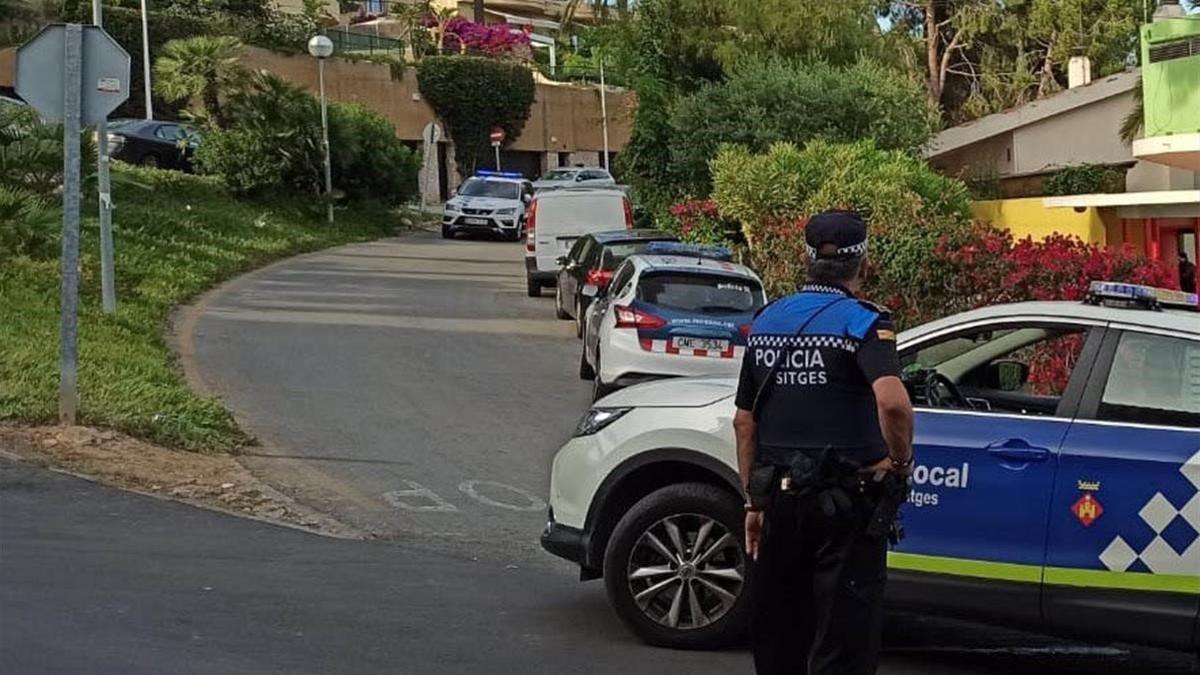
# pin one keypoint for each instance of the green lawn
(176, 236)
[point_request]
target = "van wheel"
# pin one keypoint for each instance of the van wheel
(585, 369)
(675, 570)
(533, 287)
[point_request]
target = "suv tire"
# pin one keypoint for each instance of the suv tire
(533, 287)
(687, 506)
(446, 233)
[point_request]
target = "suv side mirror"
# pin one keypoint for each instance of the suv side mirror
(1006, 375)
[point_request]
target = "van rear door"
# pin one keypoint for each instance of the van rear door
(563, 217)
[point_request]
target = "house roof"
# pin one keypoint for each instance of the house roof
(1002, 122)
(1102, 200)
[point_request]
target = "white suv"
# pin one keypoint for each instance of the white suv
(489, 202)
(1057, 483)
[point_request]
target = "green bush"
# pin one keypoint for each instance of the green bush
(764, 102)
(473, 94)
(909, 208)
(28, 226)
(369, 161)
(1085, 179)
(272, 141)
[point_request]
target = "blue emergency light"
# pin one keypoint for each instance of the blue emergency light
(488, 173)
(719, 253)
(1135, 295)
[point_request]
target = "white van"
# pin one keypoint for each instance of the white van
(557, 218)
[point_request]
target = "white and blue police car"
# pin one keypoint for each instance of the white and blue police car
(490, 202)
(1057, 484)
(677, 309)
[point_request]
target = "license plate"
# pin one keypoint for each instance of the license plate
(477, 221)
(693, 343)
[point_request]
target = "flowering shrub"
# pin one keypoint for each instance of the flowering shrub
(699, 222)
(462, 35)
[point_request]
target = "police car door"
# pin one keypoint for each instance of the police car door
(993, 404)
(1124, 547)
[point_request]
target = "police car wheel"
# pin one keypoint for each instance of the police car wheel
(675, 570)
(447, 233)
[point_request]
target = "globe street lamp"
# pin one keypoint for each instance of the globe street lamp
(322, 48)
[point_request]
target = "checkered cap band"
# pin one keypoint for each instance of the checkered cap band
(858, 249)
(791, 341)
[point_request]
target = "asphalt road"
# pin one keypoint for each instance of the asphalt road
(409, 388)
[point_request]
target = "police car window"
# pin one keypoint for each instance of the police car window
(576, 252)
(1154, 379)
(1020, 369)
(621, 281)
(490, 188)
(701, 293)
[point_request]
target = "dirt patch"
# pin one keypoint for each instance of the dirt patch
(212, 481)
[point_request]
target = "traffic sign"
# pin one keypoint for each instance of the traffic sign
(103, 80)
(431, 134)
(497, 136)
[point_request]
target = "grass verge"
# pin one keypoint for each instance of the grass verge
(176, 236)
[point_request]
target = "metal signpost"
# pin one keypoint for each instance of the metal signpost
(77, 75)
(497, 137)
(108, 286)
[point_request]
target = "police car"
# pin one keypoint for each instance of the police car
(678, 309)
(1057, 484)
(491, 202)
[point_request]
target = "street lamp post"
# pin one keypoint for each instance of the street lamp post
(321, 47)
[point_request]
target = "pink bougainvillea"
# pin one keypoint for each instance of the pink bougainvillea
(478, 38)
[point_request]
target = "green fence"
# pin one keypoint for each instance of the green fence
(345, 41)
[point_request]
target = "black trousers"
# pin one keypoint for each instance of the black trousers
(818, 589)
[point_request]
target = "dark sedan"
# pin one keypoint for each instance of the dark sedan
(158, 143)
(589, 265)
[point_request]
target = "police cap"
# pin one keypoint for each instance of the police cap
(836, 234)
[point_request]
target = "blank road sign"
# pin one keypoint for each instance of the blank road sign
(41, 73)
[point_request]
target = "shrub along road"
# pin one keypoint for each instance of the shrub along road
(409, 387)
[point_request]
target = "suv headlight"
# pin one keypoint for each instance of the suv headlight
(598, 418)
(506, 212)
(451, 207)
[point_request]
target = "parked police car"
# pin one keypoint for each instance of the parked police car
(678, 309)
(490, 202)
(1057, 483)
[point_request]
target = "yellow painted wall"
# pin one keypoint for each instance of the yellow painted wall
(1027, 217)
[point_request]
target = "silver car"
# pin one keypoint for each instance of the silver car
(575, 176)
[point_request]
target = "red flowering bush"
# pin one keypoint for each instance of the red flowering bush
(699, 222)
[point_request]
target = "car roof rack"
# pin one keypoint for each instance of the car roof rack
(1136, 296)
(718, 253)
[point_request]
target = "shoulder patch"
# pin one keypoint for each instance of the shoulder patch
(879, 309)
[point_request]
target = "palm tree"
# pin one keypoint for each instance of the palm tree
(200, 70)
(1131, 126)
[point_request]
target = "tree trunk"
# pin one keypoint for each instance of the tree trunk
(478, 11)
(1047, 78)
(933, 61)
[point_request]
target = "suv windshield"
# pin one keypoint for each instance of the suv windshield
(702, 293)
(560, 175)
(490, 188)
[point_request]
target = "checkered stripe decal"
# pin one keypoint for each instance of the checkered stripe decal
(791, 341)
(665, 347)
(1159, 513)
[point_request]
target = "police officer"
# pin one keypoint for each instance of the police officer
(823, 426)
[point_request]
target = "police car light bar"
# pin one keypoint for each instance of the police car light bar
(1146, 297)
(488, 173)
(718, 253)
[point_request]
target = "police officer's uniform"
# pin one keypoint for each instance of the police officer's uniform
(807, 376)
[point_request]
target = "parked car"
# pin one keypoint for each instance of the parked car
(575, 176)
(588, 267)
(558, 217)
(1057, 483)
(490, 202)
(156, 143)
(671, 312)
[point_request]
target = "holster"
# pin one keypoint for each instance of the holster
(885, 518)
(764, 480)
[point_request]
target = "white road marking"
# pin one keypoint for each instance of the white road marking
(468, 487)
(418, 493)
